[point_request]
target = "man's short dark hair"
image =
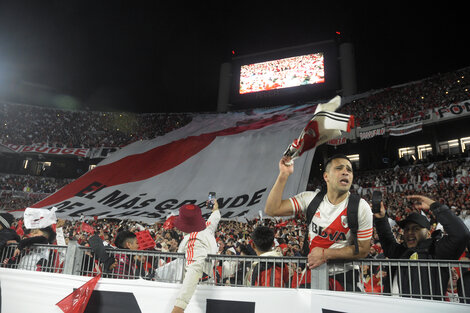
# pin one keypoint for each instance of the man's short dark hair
(336, 156)
(122, 237)
(49, 233)
(247, 249)
(263, 238)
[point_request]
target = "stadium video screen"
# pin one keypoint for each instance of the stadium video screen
(295, 71)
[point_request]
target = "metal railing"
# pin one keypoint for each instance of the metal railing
(132, 264)
(256, 271)
(441, 280)
(38, 257)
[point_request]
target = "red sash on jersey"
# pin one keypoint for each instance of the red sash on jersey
(330, 233)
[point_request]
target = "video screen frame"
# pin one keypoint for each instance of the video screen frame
(281, 96)
(288, 72)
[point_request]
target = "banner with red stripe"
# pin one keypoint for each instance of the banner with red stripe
(234, 154)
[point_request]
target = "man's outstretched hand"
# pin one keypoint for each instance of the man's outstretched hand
(422, 202)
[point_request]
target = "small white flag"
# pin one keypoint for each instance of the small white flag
(324, 126)
(39, 218)
(60, 237)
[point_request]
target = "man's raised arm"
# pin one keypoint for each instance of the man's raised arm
(275, 205)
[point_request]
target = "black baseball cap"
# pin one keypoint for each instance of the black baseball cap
(416, 218)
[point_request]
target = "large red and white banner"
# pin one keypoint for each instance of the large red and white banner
(234, 154)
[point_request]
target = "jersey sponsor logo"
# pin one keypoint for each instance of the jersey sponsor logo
(328, 233)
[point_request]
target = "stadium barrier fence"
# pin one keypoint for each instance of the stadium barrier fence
(383, 277)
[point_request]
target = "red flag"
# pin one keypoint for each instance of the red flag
(87, 228)
(19, 228)
(77, 301)
(324, 125)
(145, 240)
(169, 223)
(95, 217)
(282, 224)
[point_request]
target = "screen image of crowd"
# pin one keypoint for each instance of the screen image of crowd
(32, 125)
(284, 73)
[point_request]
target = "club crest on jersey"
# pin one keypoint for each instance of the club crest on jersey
(344, 221)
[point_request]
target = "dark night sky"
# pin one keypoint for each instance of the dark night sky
(151, 56)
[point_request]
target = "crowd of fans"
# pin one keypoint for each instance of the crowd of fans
(394, 105)
(28, 125)
(31, 184)
(438, 178)
(446, 181)
(20, 191)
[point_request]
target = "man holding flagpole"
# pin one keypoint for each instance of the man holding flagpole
(329, 233)
(339, 226)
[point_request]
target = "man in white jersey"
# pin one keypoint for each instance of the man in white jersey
(198, 242)
(329, 234)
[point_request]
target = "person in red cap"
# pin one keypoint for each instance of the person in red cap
(198, 242)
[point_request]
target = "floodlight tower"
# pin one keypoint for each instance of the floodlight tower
(347, 69)
(225, 79)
